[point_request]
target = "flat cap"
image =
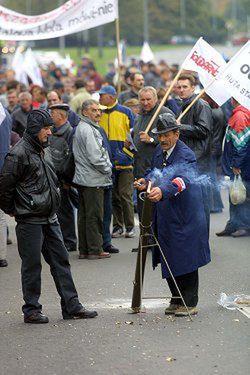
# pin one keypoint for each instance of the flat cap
(63, 106)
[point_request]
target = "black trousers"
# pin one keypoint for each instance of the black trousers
(34, 240)
(66, 217)
(188, 285)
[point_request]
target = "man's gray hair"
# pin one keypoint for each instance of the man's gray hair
(148, 89)
(25, 94)
(87, 103)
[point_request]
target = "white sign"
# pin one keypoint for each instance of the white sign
(208, 63)
(236, 77)
(71, 17)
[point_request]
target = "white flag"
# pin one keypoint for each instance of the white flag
(2, 114)
(18, 66)
(236, 77)
(208, 63)
(31, 68)
(146, 53)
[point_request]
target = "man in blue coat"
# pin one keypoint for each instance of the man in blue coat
(179, 216)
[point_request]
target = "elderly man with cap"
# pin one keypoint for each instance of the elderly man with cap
(117, 120)
(60, 144)
(29, 192)
(179, 216)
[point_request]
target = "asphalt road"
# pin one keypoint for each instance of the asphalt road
(216, 342)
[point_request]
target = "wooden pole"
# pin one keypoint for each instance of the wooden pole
(190, 105)
(117, 28)
(163, 101)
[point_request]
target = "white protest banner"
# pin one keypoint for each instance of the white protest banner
(208, 63)
(236, 77)
(71, 17)
(31, 68)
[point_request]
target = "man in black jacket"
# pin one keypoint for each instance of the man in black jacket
(60, 145)
(29, 191)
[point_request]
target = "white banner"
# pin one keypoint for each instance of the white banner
(69, 18)
(208, 63)
(236, 77)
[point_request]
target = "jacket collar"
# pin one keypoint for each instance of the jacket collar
(62, 129)
(159, 153)
(112, 107)
(88, 121)
(35, 145)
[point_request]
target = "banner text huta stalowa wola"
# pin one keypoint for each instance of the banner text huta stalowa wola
(69, 18)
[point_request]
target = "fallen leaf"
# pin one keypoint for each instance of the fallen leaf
(129, 322)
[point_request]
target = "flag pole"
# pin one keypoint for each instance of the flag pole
(163, 101)
(117, 28)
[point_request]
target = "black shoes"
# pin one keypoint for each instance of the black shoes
(111, 249)
(135, 250)
(36, 318)
(82, 314)
(3, 263)
(225, 233)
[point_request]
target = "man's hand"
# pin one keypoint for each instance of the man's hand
(140, 184)
(155, 195)
(144, 137)
(236, 171)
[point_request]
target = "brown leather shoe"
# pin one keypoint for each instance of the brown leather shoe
(36, 318)
(102, 255)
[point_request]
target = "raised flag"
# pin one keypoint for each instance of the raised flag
(236, 76)
(18, 67)
(208, 63)
(31, 68)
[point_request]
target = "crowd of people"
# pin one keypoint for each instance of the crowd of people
(78, 148)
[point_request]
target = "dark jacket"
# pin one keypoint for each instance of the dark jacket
(126, 95)
(5, 137)
(196, 131)
(218, 131)
(60, 143)
(143, 156)
(28, 183)
(179, 218)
